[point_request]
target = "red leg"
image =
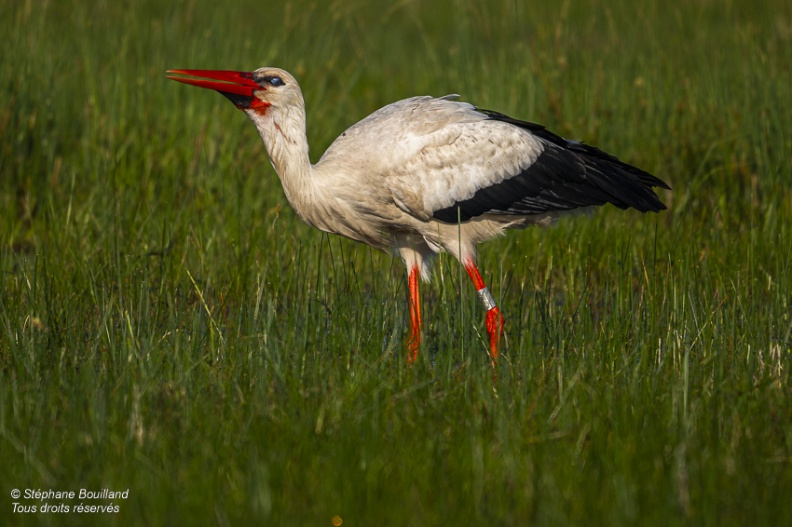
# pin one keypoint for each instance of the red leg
(494, 318)
(415, 315)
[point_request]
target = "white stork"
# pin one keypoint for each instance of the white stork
(426, 175)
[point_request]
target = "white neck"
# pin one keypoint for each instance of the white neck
(284, 137)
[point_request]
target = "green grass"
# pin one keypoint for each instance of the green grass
(168, 325)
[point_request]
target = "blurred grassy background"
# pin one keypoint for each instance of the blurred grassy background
(169, 326)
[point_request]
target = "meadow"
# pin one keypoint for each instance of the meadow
(170, 327)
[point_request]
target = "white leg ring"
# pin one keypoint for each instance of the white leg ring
(486, 299)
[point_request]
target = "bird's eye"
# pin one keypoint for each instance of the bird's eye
(274, 81)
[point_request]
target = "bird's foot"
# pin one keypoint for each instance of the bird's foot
(413, 345)
(495, 323)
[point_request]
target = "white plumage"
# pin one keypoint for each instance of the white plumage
(426, 175)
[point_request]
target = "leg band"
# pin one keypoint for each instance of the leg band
(486, 298)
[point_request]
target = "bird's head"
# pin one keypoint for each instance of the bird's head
(256, 91)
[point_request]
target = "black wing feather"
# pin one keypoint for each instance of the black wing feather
(566, 175)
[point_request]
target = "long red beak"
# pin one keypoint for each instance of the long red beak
(237, 86)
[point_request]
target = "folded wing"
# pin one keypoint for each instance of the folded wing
(496, 165)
